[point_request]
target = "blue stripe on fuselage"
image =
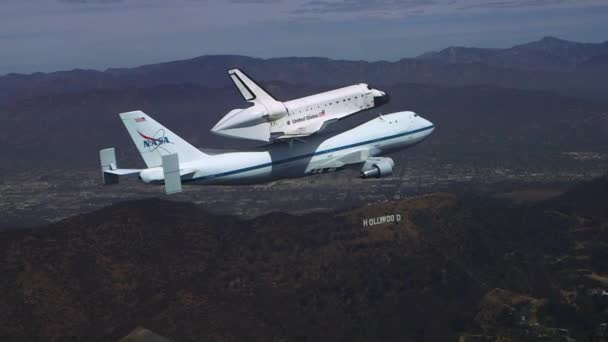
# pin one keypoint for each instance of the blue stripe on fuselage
(308, 155)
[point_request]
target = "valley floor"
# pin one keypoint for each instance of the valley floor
(40, 197)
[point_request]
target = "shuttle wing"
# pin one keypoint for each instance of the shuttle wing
(301, 131)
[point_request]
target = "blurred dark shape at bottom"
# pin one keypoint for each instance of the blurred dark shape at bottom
(143, 335)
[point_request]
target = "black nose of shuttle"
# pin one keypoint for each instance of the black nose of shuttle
(380, 100)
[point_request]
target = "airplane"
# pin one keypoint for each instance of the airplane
(171, 161)
(271, 120)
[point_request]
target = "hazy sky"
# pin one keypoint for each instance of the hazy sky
(48, 35)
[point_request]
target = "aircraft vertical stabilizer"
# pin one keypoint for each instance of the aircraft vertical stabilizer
(154, 141)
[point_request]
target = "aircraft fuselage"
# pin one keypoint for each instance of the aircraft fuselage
(318, 154)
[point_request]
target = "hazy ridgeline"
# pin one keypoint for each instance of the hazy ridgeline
(531, 101)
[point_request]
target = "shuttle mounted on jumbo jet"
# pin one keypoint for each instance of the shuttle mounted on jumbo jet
(170, 160)
(270, 120)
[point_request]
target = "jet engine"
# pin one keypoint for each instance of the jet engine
(377, 167)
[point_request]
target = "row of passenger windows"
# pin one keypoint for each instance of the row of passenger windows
(324, 105)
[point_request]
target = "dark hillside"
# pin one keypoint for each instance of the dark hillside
(445, 269)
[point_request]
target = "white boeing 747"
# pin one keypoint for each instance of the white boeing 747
(172, 161)
(270, 120)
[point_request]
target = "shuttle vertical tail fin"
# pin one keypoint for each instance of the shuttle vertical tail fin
(154, 141)
(250, 90)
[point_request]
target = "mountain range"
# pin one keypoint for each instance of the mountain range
(574, 69)
(549, 53)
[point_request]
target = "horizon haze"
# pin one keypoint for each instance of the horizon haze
(99, 34)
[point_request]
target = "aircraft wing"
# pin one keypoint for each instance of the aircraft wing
(355, 157)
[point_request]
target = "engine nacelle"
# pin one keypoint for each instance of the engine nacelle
(377, 167)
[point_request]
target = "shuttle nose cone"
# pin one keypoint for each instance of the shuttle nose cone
(238, 118)
(381, 99)
(224, 125)
(218, 127)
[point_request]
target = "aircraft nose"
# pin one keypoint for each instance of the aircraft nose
(426, 123)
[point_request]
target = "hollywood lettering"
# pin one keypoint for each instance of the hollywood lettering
(154, 142)
(374, 221)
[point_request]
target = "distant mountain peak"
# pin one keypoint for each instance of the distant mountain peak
(457, 54)
(551, 39)
(547, 53)
(548, 42)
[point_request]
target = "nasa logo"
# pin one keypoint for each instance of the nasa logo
(151, 142)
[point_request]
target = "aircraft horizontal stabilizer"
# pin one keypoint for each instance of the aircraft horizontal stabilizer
(109, 169)
(123, 172)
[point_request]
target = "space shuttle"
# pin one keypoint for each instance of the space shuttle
(270, 120)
